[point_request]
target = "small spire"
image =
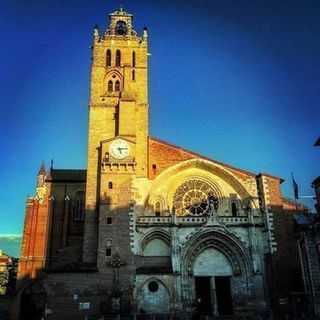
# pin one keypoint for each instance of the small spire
(42, 170)
(41, 175)
(96, 32)
(145, 33)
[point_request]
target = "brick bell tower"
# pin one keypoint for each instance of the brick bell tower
(117, 138)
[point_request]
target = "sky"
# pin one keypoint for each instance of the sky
(237, 81)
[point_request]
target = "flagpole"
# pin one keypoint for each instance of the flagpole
(295, 191)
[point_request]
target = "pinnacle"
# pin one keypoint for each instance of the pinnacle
(42, 169)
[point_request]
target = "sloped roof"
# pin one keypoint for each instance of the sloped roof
(194, 154)
(197, 155)
(67, 175)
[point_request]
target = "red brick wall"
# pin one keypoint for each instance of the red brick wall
(285, 263)
(33, 249)
(163, 156)
(275, 194)
(50, 237)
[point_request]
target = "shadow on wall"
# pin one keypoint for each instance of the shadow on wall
(64, 288)
(65, 285)
(65, 274)
(284, 273)
(30, 299)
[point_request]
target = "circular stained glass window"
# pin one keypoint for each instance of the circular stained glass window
(153, 286)
(193, 198)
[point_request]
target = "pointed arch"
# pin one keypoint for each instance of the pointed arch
(110, 86)
(117, 86)
(133, 59)
(78, 208)
(146, 299)
(156, 233)
(212, 169)
(226, 243)
(234, 209)
(108, 58)
(118, 58)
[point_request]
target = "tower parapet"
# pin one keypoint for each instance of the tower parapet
(121, 24)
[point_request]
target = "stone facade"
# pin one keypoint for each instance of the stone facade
(149, 227)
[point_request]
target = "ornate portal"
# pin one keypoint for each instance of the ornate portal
(193, 198)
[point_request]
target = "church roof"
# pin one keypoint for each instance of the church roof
(67, 175)
(197, 155)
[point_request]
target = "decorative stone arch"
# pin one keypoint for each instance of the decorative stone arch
(113, 75)
(156, 233)
(115, 72)
(145, 283)
(154, 278)
(227, 244)
(77, 205)
(157, 200)
(205, 165)
(234, 252)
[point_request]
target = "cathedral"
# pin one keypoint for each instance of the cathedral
(149, 228)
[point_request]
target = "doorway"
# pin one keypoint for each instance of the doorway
(203, 292)
(223, 294)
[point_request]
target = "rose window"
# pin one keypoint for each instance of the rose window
(193, 198)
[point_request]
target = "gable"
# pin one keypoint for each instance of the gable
(163, 155)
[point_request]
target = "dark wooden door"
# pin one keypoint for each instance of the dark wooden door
(223, 294)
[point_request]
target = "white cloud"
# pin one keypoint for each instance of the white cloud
(10, 236)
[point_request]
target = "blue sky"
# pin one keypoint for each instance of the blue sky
(238, 81)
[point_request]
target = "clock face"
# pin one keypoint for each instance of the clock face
(119, 149)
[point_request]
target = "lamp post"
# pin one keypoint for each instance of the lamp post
(116, 292)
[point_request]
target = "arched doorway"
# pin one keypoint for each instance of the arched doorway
(215, 264)
(212, 280)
